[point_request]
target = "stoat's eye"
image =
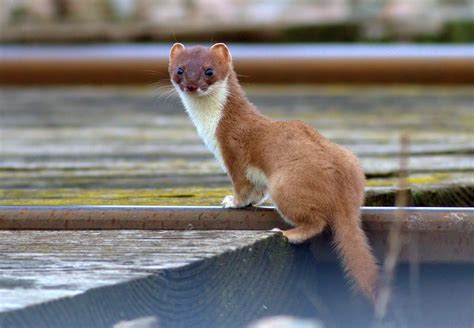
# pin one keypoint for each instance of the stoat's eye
(209, 72)
(180, 71)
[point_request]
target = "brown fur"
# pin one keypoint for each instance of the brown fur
(312, 181)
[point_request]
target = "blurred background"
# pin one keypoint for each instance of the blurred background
(237, 20)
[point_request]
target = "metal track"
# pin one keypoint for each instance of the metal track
(131, 64)
(214, 218)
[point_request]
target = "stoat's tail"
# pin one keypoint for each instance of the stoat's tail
(357, 257)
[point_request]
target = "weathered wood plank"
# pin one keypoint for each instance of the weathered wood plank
(372, 165)
(123, 146)
(85, 145)
(38, 266)
(265, 277)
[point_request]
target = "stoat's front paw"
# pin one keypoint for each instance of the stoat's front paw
(228, 202)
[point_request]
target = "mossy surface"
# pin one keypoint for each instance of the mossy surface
(64, 146)
(423, 179)
(175, 196)
(456, 195)
(419, 195)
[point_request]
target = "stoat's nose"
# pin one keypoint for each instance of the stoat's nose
(191, 87)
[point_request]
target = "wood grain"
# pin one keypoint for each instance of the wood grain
(40, 266)
(124, 146)
(263, 276)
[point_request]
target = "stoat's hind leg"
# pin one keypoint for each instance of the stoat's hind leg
(301, 203)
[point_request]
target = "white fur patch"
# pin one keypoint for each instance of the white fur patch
(205, 110)
(257, 177)
(228, 202)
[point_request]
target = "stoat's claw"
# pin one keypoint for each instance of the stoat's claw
(228, 202)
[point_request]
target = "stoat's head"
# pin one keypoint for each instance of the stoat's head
(197, 71)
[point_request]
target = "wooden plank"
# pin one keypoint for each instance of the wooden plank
(117, 145)
(264, 277)
(38, 266)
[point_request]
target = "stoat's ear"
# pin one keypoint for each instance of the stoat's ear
(176, 49)
(222, 51)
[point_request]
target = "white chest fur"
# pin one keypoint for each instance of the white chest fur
(205, 112)
(257, 177)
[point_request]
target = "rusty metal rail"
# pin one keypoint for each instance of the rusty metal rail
(430, 235)
(136, 64)
(214, 218)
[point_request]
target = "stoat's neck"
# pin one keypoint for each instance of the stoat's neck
(206, 112)
(238, 107)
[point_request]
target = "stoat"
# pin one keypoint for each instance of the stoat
(311, 181)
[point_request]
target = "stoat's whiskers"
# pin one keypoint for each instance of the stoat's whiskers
(164, 91)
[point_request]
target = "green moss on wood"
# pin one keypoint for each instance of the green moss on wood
(416, 179)
(61, 196)
(459, 195)
(428, 191)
